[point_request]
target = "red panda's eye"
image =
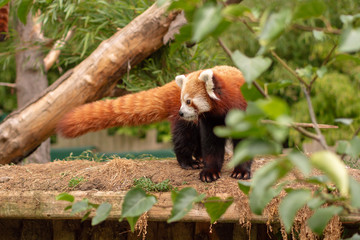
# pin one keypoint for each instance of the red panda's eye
(188, 102)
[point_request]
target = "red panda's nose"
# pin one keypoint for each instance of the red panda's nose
(181, 113)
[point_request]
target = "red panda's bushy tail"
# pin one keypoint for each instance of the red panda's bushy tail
(130, 110)
(4, 21)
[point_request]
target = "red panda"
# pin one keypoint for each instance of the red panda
(4, 21)
(194, 104)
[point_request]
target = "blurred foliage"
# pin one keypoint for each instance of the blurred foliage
(334, 97)
(94, 21)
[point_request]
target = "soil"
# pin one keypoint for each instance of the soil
(113, 175)
(117, 175)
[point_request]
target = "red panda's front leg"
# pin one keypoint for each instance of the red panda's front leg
(213, 150)
(186, 140)
(243, 170)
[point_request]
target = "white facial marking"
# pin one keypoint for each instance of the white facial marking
(201, 103)
(207, 77)
(180, 80)
(188, 112)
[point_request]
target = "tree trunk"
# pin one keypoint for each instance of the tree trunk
(31, 79)
(91, 80)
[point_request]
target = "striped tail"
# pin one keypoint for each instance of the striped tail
(130, 110)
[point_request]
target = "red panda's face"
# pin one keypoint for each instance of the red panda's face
(196, 94)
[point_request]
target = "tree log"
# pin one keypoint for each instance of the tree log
(24, 130)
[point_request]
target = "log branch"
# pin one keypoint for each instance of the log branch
(91, 80)
(55, 51)
(11, 85)
(329, 30)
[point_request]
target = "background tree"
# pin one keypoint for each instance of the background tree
(31, 77)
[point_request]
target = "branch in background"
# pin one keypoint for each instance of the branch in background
(288, 68)
(256, 85)
(329, 30)
(306, 133)
(11, 85)
(306, 125)
(229, 2)
(356, 132)
(326, 60)
(313, 119)
(54, 53)
(300, 127)
(306, 88)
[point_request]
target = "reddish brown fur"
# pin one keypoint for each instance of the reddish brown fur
(152, 105)
(4, 21)
(229, 80)
(130, 110)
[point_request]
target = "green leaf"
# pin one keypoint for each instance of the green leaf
(346, 121)
(252, 68)
(216, 207)
(276, 86)
(350, 40)
(136, 202)
(315, 203)
(3, 2)
(347, 57)
(273, 108)
(235, 10)
(309, 9)
(291, 204)
(183, 203)
(206, 20)
(80, 206)
(320, 179)
(274, 26)
(319, 35)
(263, 180)
(187, 6)
(102, 212)
(161, 2)
(65, 197)
(24, 9)
(249, 148)
(342, 147)
(234, 117)
(347, 20)
(132, 222)
(354, 150)
(86, 216)
(68, 207)
(355, 193)
(250, 93)
(334, 168)
(301, 162)
(321, 71)
(244, 186)
(318, 221)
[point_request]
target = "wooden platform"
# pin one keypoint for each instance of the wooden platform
(37, 215)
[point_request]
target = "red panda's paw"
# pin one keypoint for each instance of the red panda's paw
(242, 171)
(191, 164)
(209, 175)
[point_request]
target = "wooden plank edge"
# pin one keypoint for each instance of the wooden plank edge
(43, 205)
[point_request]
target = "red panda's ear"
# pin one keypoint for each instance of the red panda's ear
(208, 77)
(180, 80)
